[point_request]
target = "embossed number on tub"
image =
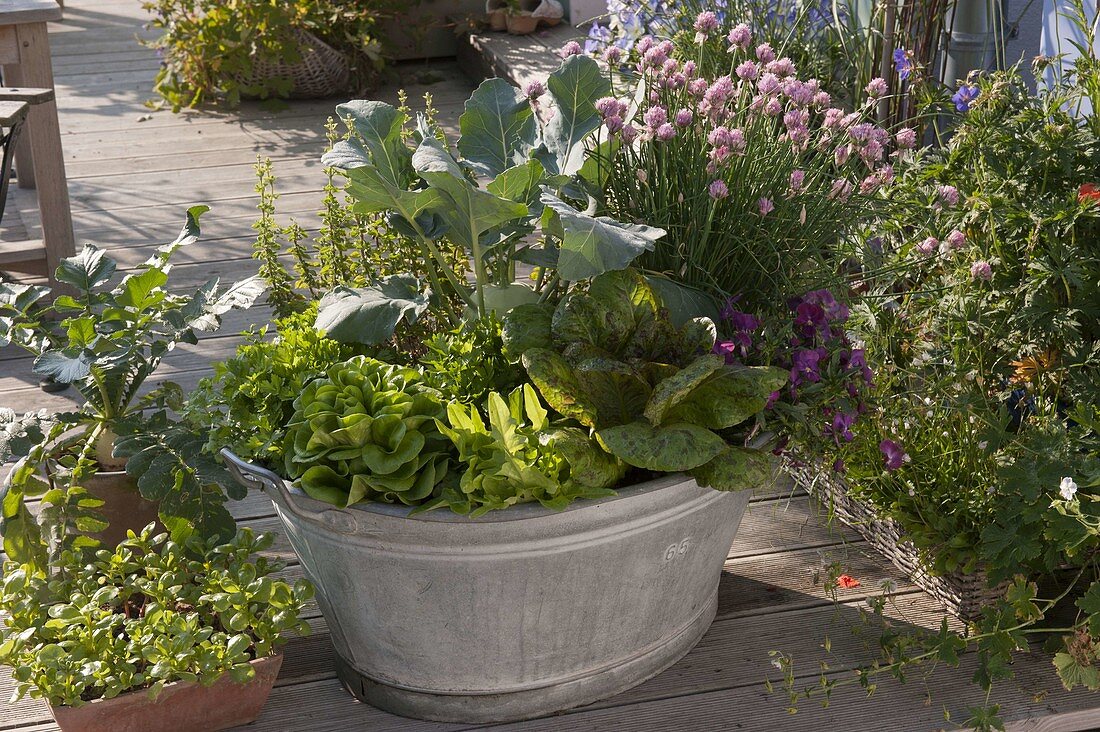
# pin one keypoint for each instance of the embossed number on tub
(677, 550)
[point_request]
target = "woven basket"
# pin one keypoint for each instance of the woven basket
(961, 594)
(322, 72)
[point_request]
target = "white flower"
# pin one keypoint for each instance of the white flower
(1068, 489)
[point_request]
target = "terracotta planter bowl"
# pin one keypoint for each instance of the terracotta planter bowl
(522, 24)
(181, 706)
(123, 507)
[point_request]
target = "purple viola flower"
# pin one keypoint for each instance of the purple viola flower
(894, 456)
(839, 466)
(727, 350)
(772, 399)
(856, 360)
(804, 366)
(902, 63)
(841, 426)
(835, 312)
(966, 94)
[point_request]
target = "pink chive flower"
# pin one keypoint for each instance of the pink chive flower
(841, 189)
(705, 24)
(842, 154)
(654, 117)
(630, 133)
(645, 43)
(718, 190)
(928, 246)
(981, 270)
(773, 107)
(689, 69)
(666, 132)
(798, 179)
(614, 123)
(822, 100)
(781, 67)
(956, 239)
(570, 49)
(610, 107)
(747, 70)
(765, 53)
(534, 89)
(833, 118)
(869, 185)
(768, 84)
(698, 87)
(739, 37)
(684, 117)
(876, 88)
(948, 195)
(766, 206)
(906, 138)
(613, 55)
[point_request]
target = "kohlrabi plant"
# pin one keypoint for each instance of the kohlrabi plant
(144, 614)
(367, 431)
(654, 394)
(431, 195)
(107, 341)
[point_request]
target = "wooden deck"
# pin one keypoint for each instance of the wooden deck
(132, 173)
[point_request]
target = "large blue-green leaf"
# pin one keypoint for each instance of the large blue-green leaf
(90, 267)
(574, 89)
(473, 211)
(376, 141)
(370, 314)
(684, 303)
(374, 194)
(665, 449)
(593, 245)
(520, 184)
(498, 128)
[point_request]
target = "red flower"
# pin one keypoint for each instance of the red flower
(1088, 192)
(847, 582)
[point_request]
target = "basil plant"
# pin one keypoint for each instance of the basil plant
(107, 341)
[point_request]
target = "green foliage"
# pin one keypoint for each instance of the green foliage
(467, 363)
(246, 405)
(106, 342)
(516, 459)
(212, 49)
(145, 614)
(610, 358)
(367, 431)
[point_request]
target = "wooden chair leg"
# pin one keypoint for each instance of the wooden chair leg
(14, 76)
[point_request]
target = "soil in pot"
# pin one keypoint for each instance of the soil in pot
(180, 707)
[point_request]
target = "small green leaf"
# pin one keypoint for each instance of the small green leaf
(87, 269)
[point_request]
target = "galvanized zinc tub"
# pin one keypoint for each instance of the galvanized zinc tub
(516, 614)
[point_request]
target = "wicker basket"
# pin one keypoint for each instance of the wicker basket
(962, 594)
(322, 72)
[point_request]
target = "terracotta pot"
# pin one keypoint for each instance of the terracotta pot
(498, 19)
(180, 707)
(522, 24)
(123, 507)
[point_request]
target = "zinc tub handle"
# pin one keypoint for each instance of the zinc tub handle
(253, 476)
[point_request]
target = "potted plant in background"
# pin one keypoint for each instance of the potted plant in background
(299, 49)
(119, 460)
(540, 430)
(151, 634)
